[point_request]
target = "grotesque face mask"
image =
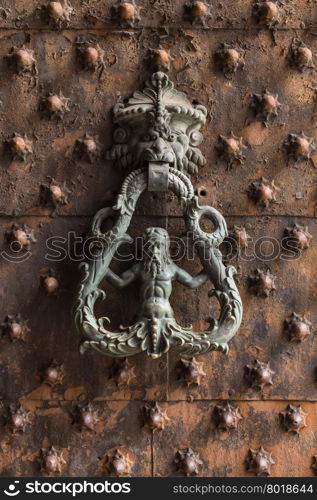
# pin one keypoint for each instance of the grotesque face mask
(173, 134)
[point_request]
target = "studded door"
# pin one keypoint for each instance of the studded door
(62, 67)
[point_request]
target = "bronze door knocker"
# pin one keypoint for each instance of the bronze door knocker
(157, 137)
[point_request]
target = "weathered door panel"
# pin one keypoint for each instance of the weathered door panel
(90, 182)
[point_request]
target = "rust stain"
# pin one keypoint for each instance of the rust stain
(256, 134)
(75, 393)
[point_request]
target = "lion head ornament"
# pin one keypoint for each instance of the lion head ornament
(158, 124)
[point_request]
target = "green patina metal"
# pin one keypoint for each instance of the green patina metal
(156, 137)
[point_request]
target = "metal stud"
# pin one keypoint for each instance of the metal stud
(240, 236)
(123, 373)
(59, 13)
(52, 461)
(258, 374)
(191, 371)
(22, 60)
(293, 418)
(262, 283)
(87, 148)
(160, 59)
(18, 418)
(20, 237)
(297, 327)
(226, 416)
(118, 462)
(15, 327)
(53, 194)
(230, 149)
(229, 59)
(187, 461)
(154, 417)
(126, 13)
(49, 280)
(259, 462)
(300, 57)
(55, 106)
(297, 237)
(54, 374)
(87, 416)
(91, 56)
(197, 12)
(263, 192)
(299, 147)
(266, 13)
(266, 106)
(20, 146)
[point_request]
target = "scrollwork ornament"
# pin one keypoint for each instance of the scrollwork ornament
(162, 128)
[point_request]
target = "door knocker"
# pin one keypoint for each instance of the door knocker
(156, 138)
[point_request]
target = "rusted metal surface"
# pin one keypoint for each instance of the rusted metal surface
(53, 179)
(224, 453)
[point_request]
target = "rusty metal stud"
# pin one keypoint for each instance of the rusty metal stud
(18, 418)
(187, 461)
(49, 281)
(240, 236)
(297, 237)
(87, 416)
(293, 418)
(87, 148)
(20, 146)
(15, 327)
(154, 417)
(126, 10)
(54, 374)
(20, 237)
(51, 284)
(159, 58)
(263, 192)
(297, 327)
(123, 373)
(118, 462)
(262, 283)
(230, 149)
(299, 147)
(258, 374)
(52, 461)
(229, 59)
(265, 106)
(197, 12)
(127, 13)
(191, 371)
(266, 13)
(259, 462)
(59, 13)
(226, 416)
(22, 60)
(55, 106)
(53, 194)
(91, 56)
(300, 56)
